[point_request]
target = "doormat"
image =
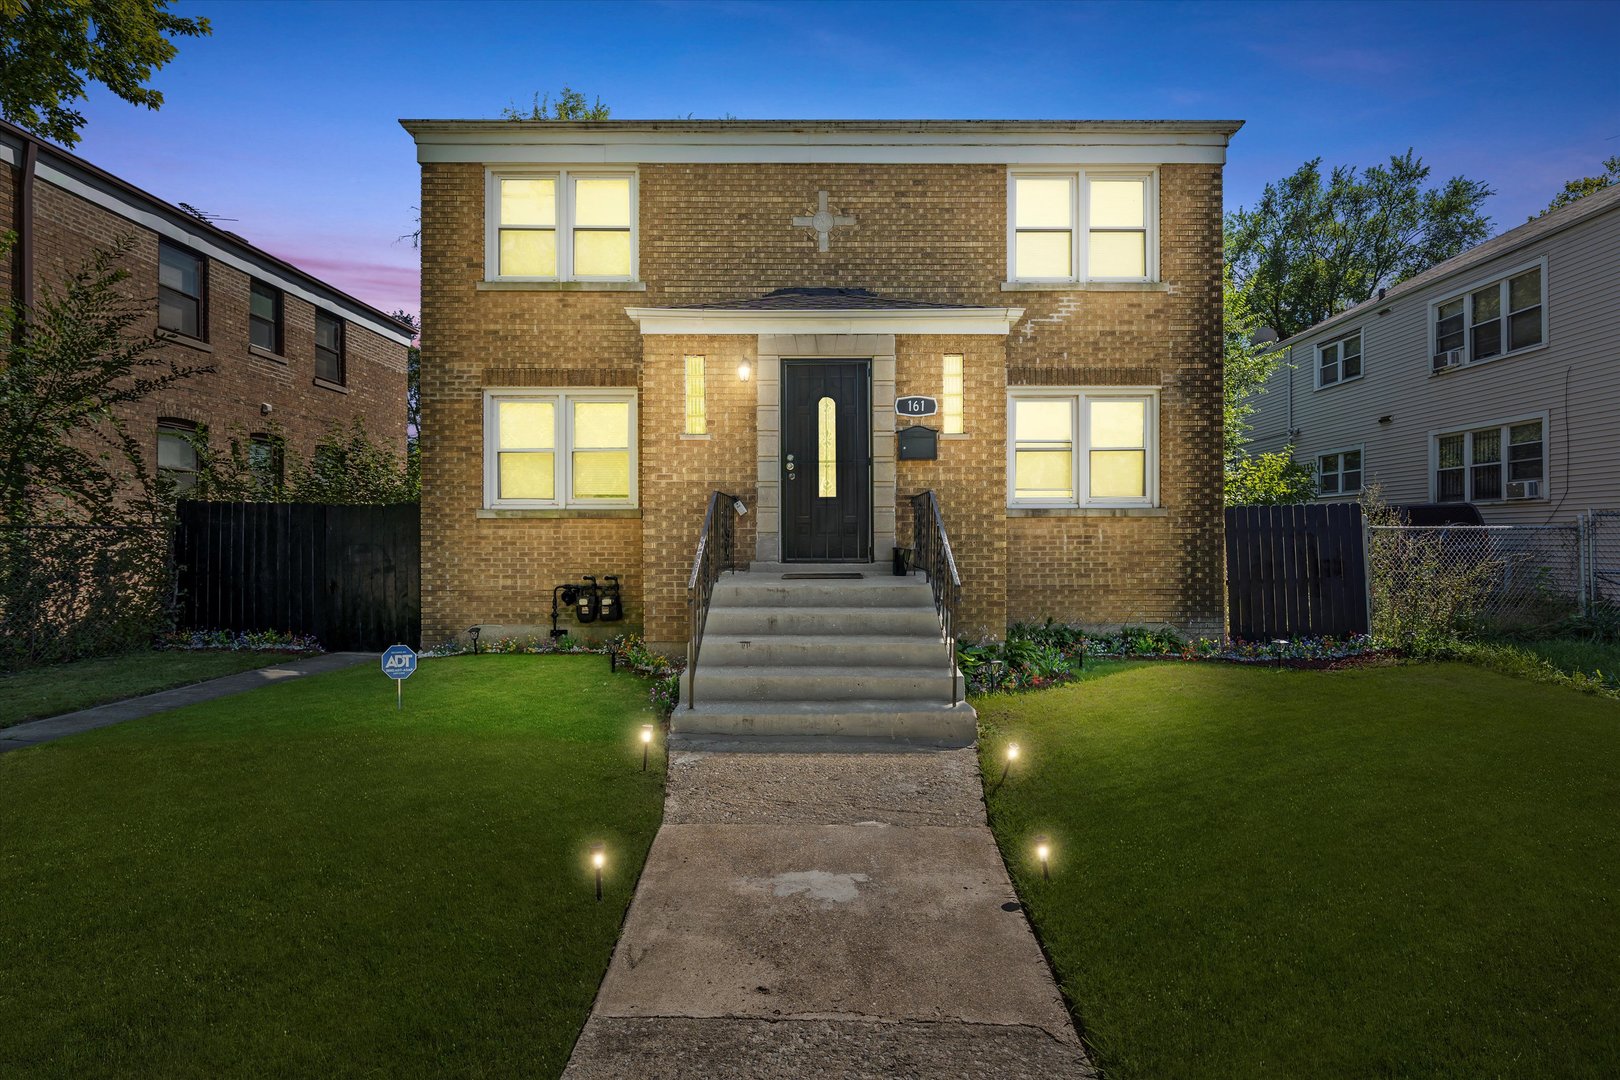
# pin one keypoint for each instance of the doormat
(822, 577)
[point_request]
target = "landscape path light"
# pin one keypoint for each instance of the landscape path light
(646, 744)
(1043, 852)
(1012, 756)
(598, 860)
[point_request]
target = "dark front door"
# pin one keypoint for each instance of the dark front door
(826, 460)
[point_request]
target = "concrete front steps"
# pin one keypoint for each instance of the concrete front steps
(803, 655)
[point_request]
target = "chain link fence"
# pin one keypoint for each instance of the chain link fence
(1602, 558)
(1478, 578)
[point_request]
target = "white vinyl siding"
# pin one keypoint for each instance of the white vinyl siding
(560, 448)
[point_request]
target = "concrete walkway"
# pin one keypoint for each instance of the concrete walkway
(35, 732)
(829, 914)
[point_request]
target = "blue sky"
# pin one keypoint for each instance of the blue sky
(285, 118)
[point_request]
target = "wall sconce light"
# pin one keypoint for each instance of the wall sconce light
(1043, 852)
(598, 860)
(743, 371)
(1386, 419)
(646, 744)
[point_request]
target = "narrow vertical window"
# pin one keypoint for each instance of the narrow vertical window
(528, 227)
(329, 359)
(1043, 224)
(601, 451)
(1117, 224)
(1524, 308)
(265, 463)
(1043, 450)
(177, 453)
(952, 404)
(1485, 463)
(1486, 333)
(602, 227)
(826, 448)
(1450, 474)
(697, 409)
(264, 316)
(1118, 464)
(180, 291)
(526, 443)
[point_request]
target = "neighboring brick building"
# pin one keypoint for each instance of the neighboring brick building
(293, 355)
(612, 282)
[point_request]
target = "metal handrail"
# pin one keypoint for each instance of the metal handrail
(931, 553)
(715, 555)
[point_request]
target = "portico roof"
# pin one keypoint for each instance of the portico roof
(823, 310)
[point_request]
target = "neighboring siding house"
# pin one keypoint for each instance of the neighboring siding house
(621, 317)
(293, 355)
(1491, 378)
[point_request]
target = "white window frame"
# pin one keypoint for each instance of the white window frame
(1359, 448)
(1467, 432)
(1080, 192)
(1338, 343)
(565, 178)
(1466, 295)
(1080, 425)
(563, 399)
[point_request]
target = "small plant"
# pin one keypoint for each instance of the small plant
(238, 641)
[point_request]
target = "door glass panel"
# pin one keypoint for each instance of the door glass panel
(826, 448)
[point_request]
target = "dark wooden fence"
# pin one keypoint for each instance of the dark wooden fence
(1295, 571)
(350, 575)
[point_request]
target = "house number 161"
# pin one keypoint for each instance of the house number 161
(915, 406)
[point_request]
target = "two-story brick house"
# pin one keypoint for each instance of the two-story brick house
(293, 356)
(621, 317)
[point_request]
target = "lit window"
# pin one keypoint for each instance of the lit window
(264, 316)
(1338, 473)
(826, 448)
(1339, 360)
(1491, 320)
(329, 348)
(181, 282)
(562, 226)
(177, 453)
(697, 406)
(1083, 448)
(1084, 225)
(560, 448)
(953, 401)
(1489, 464)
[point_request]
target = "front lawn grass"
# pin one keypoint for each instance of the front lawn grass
(1407, 871)
(62, 688)
(300, 881)
(1580, 656)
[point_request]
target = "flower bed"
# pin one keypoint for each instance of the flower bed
(238, 641)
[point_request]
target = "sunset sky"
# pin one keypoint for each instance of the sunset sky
(286, 118)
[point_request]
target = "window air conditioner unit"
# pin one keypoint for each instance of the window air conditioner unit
(1449, 359)
(1524, 489)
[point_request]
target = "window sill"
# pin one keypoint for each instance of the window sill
(954, 435)
(1087, 511)
(265, 354)
(562, 286)
(558, 514)
(175, 338)
(1341, 382)
(1085, 286)
(689, 437)
(326, 385)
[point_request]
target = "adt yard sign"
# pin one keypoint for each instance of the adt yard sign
(398, 663)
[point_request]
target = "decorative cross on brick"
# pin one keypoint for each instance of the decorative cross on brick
(823, 221)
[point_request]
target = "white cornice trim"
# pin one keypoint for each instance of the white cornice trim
(704, 321)
(503, 142)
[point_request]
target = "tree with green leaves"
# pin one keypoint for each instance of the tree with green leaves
(569, 104)
(50, 50)
(1316, 245)
(1246, 365)
(1586, 185)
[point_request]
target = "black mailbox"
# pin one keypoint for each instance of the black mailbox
(917, 443)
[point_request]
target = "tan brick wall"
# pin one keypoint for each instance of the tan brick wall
(69, 229)
(937, 232)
